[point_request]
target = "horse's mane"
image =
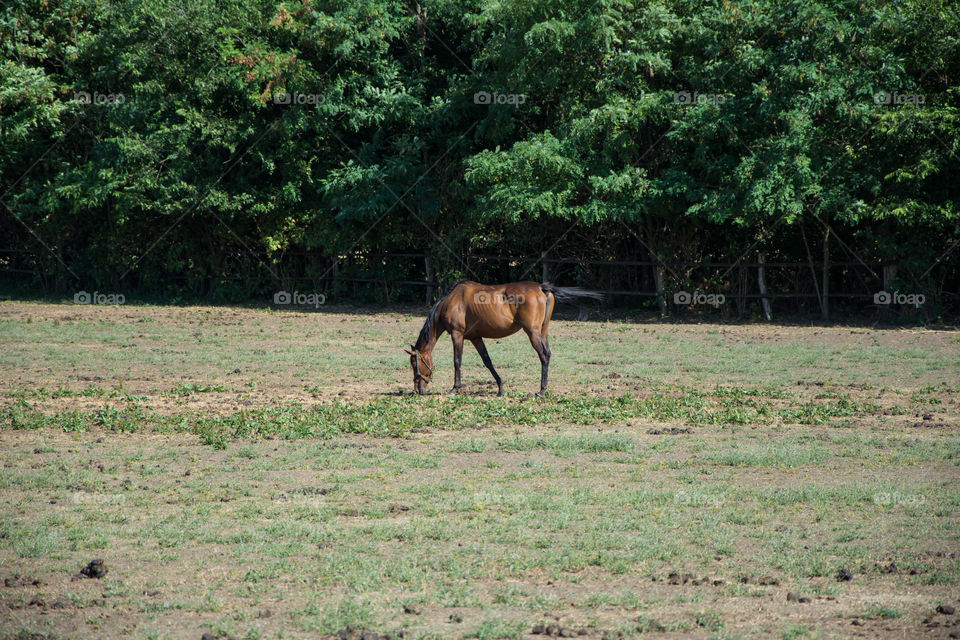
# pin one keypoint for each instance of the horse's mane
(427, 329)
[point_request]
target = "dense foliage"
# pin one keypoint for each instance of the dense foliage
(227, 148)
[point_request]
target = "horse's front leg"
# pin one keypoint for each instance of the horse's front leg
(482, 350)
(457, 359)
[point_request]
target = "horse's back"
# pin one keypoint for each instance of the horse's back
(495, 311)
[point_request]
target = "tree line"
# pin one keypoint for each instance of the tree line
(230, 149)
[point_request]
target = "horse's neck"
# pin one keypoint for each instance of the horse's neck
(435, 332)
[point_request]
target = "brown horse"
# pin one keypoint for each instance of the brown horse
(474, 311)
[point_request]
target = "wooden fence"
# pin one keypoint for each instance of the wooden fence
(801, 284)
(794, 286)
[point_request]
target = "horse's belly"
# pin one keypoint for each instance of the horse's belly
(492, 332)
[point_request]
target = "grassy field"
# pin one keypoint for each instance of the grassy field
(256, 474)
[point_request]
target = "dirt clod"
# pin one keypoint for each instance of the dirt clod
(413, 609)
(16, 580)
(671, 431)
(352, 633)
(312, 491)
(96, 569)
(946, 610)
(844, 576)
(676, 578)
(557, 631)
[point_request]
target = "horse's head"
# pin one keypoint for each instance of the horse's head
(422, 364)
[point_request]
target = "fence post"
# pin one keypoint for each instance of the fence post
(813, 271)
(889, 275)
(762, 285)
(826, 275)
(429, 269)
(658, 280)
(544, 271)
(741, 290)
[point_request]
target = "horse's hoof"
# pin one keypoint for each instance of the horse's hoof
(500, 393)
(455, 391)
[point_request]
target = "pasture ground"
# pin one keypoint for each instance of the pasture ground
(249, 473)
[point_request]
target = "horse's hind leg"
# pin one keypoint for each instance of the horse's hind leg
(543, 350)
(482, 350)
(546, 367)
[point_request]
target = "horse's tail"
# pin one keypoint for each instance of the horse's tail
(569, 294)
(548, 313)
